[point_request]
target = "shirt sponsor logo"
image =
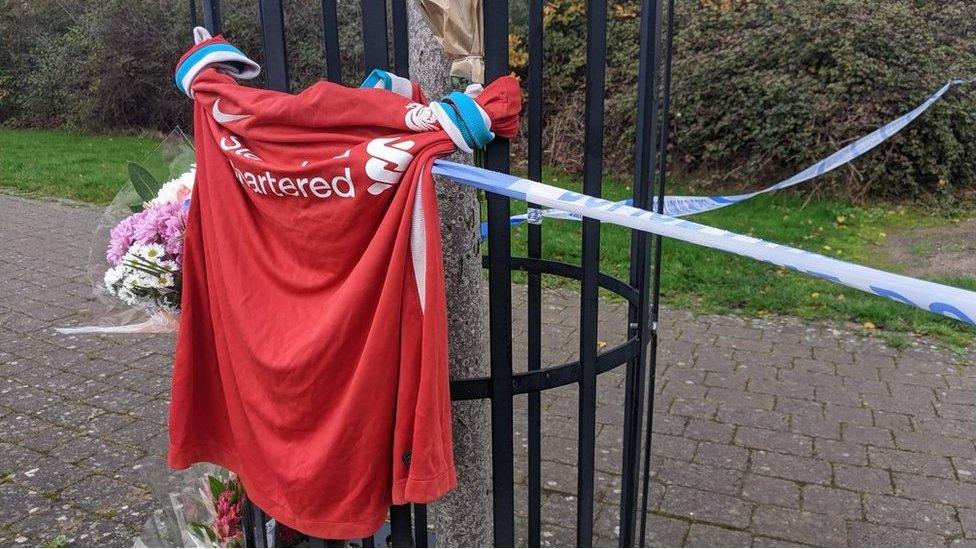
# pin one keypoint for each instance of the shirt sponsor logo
(232, 144)
(304, 187)
(340, 186)
(387, 162)
(389, 158)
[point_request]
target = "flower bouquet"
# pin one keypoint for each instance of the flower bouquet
(223, 498)
(202, 507)
(137, 249)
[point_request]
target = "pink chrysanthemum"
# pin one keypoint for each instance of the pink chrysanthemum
(157, 224)
(119, 241)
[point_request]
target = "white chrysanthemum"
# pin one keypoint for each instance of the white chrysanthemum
(126, 295)
(136, 251)
(155, 281)
(140, 279)
(133, 279)
(113, 276)
(176, 190)
(169, 265)
(153, 252)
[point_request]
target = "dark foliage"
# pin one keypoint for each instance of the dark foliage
(761, 88)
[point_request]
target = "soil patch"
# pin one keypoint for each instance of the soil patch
(948, 250)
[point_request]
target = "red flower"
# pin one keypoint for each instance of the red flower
(227, 526)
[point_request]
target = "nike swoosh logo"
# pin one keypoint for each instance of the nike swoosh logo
(222, 117)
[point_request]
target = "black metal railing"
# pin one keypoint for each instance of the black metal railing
(408, 523)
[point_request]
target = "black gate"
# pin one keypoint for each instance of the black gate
(408, 523)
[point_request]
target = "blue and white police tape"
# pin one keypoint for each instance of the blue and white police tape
(677, 206)
(938, 298)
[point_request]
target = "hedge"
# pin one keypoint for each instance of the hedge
(776, 85)
(761, 87)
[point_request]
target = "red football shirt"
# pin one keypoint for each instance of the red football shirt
(312, 352)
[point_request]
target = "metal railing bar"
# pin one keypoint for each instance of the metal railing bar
(656, 284)
(596, 26)
(419, 525)
(330, 40)
(211, 16)
(534, 303)
(575, 272)
(500, 297)
(644, 170)
(273, 40)
(260, 521)
(471, 389)
(400, 520)
(565, 270)
(247, 522)
(401, 46)
(321, 542)
(565, 374)
(545, 378)
(375, 52)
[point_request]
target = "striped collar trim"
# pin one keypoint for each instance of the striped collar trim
(213, 52)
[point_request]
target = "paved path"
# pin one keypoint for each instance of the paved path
(767, 432)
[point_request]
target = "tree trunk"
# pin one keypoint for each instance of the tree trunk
(463, 517)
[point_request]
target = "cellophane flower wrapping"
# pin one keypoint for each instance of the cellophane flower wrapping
(136, 250)
(202, 506)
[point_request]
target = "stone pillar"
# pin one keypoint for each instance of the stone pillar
(463, 517)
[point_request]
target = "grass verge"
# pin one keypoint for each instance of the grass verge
(90, 168)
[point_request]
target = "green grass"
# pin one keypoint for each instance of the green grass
(59, 540)
(92, 169)
(81, 167)
(708, 280)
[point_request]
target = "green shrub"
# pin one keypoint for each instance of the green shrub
(303, 38)
(763, 90)
(111, 68)
(759, 91)
(769, 88)
(108, 65)
(564, 67)
(23, 27)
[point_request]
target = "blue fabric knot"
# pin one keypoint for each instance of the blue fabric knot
(381, 77)
(466, 115)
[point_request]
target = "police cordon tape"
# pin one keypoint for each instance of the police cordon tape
(937, 298)
(677, 206)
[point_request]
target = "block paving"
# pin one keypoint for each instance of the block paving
(766, 432)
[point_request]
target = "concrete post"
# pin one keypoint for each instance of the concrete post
(463, 517)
